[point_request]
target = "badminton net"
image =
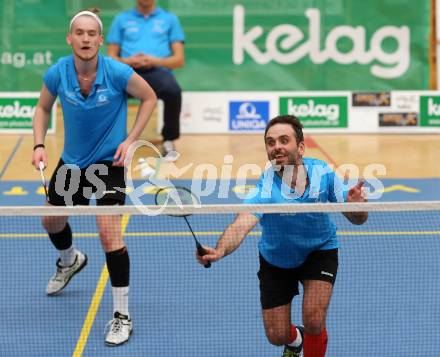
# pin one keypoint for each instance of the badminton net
(385, 299)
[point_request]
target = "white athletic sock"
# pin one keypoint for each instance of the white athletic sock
(120, 300)
(298, 339)
(67, 256)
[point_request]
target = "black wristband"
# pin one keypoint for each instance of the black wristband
(39, 146)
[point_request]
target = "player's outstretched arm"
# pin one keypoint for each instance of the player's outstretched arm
(230, 239)
(356, 194)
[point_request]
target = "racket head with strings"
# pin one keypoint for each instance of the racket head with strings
(176, 196)
(181, 196)
(41, 166)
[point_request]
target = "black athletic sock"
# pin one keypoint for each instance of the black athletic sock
(62, 240)
(118, 265)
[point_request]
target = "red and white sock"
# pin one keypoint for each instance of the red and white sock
(295, 337)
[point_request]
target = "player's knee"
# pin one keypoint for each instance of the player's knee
(53, 224)
(277, 337)
(106, 233)
(314, 321)
(110, 239)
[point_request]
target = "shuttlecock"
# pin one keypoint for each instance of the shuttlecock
(146, 170)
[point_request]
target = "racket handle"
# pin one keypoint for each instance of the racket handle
(202, 252)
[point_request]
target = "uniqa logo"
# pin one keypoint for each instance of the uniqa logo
(248, 111)
(393, 64)
(17, 111)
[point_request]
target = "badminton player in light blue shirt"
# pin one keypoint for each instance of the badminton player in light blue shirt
(281, 245)
(95, 124)
(93, 91)
(293, 247)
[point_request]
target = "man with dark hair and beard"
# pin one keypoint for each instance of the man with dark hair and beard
(293, 247)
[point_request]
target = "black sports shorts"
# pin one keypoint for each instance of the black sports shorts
(278, 286)
(71, 186)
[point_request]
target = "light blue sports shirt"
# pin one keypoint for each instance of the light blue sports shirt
(93, 126)
(288, 238)
(152, 34)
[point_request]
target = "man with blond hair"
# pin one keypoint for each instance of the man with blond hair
(93, 91)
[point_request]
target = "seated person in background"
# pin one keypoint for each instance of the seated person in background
(151, 41)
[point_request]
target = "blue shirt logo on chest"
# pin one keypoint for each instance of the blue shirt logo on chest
(159, 26)
(102, 99)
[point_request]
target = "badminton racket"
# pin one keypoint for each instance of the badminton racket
(178, 196)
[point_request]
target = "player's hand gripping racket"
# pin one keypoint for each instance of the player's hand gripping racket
(180, 196)
(43, 179)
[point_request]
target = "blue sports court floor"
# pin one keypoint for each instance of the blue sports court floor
(385, 300)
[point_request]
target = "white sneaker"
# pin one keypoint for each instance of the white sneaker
(120, 330)
(169, 151)
(63, 274)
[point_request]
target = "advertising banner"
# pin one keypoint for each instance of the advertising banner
(320, 112)
(430, 110)
(304, 45)
(17, 111)
(248, 45)
(317, 112)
